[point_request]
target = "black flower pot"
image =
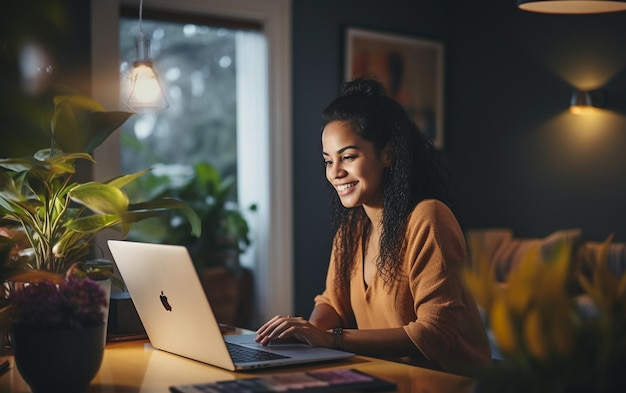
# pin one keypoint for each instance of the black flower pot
(58, 360)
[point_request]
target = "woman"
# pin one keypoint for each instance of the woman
(394, 287)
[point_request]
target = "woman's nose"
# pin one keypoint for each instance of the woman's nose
(336, 171)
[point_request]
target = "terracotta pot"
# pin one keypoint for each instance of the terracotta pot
(58, 360)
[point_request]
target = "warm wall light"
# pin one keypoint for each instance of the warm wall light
(572, 6)
(146, 93)
(584, 101)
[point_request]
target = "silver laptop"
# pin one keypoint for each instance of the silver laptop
(171, 303)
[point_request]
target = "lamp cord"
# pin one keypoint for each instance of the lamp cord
(140, 18)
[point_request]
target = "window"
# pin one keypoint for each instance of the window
(196, 67)
(196, 59)
(263, 115)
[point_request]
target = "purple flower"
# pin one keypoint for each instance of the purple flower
(76, 302)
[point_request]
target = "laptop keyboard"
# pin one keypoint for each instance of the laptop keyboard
(241, 354)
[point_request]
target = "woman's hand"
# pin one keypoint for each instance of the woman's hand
(281, 328)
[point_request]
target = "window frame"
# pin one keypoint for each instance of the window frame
(273, 269)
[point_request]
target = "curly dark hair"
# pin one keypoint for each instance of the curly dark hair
(417, 173)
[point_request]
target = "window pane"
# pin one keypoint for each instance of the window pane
(196, 68)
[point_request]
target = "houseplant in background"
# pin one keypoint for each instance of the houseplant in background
(550, 343)
(225, 233)
(59, 217)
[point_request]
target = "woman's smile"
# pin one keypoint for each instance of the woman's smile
(343, 189)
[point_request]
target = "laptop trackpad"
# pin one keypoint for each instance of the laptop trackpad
(248, 341)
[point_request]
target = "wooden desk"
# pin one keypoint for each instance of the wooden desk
(134, 366)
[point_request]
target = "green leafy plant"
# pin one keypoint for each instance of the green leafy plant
(12, 244)
(225, 230)
(61, 217)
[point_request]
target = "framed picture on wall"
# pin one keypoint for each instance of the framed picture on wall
(410, 68)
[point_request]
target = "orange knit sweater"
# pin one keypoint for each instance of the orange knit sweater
(430, 300)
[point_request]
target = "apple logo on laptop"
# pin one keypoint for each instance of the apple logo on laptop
(166, 304)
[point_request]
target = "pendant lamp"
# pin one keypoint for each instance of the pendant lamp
(572, 6)
(146, 94)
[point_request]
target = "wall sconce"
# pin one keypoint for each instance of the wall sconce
(146, 93)
(572, 6)
(583, 101)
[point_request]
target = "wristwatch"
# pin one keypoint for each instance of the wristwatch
(338, 333)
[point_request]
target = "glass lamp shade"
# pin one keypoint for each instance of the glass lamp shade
(572, 6)
(146, 93)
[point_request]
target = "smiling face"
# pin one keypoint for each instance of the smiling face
(353, 166)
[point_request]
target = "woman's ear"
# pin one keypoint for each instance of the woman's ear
(387, 155)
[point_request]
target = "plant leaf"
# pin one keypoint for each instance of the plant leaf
(166, 203)
(123, 180)
(92, 224)
(80, 124)
(23, 164)
(101, 125)
(101, 198)
(78, 101)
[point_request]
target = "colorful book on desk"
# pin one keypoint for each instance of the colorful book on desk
(321, 381)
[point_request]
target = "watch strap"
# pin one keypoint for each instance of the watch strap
(338, 335)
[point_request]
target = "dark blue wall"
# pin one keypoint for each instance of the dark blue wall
(518, 158)
(521, 159)
(318, 45)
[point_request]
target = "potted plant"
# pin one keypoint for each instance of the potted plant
(57, 330)
(60, 217)
(225, 234)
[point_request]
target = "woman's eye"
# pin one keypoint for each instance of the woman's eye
(348, 158)
(327, 162)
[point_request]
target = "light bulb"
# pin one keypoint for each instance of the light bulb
(145, 84)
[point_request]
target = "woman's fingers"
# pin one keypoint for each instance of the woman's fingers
(274, 328)
(281, 328)
(267, 325)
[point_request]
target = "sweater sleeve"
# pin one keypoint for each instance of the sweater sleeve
(335, 296)
(448, 325)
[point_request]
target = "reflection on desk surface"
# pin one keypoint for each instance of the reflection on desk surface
(166, 369)
(135, 367)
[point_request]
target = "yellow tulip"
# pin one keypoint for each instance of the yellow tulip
(482, 289)
(534, 335)
(480, 278)
(522, 281)
(503, 326)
